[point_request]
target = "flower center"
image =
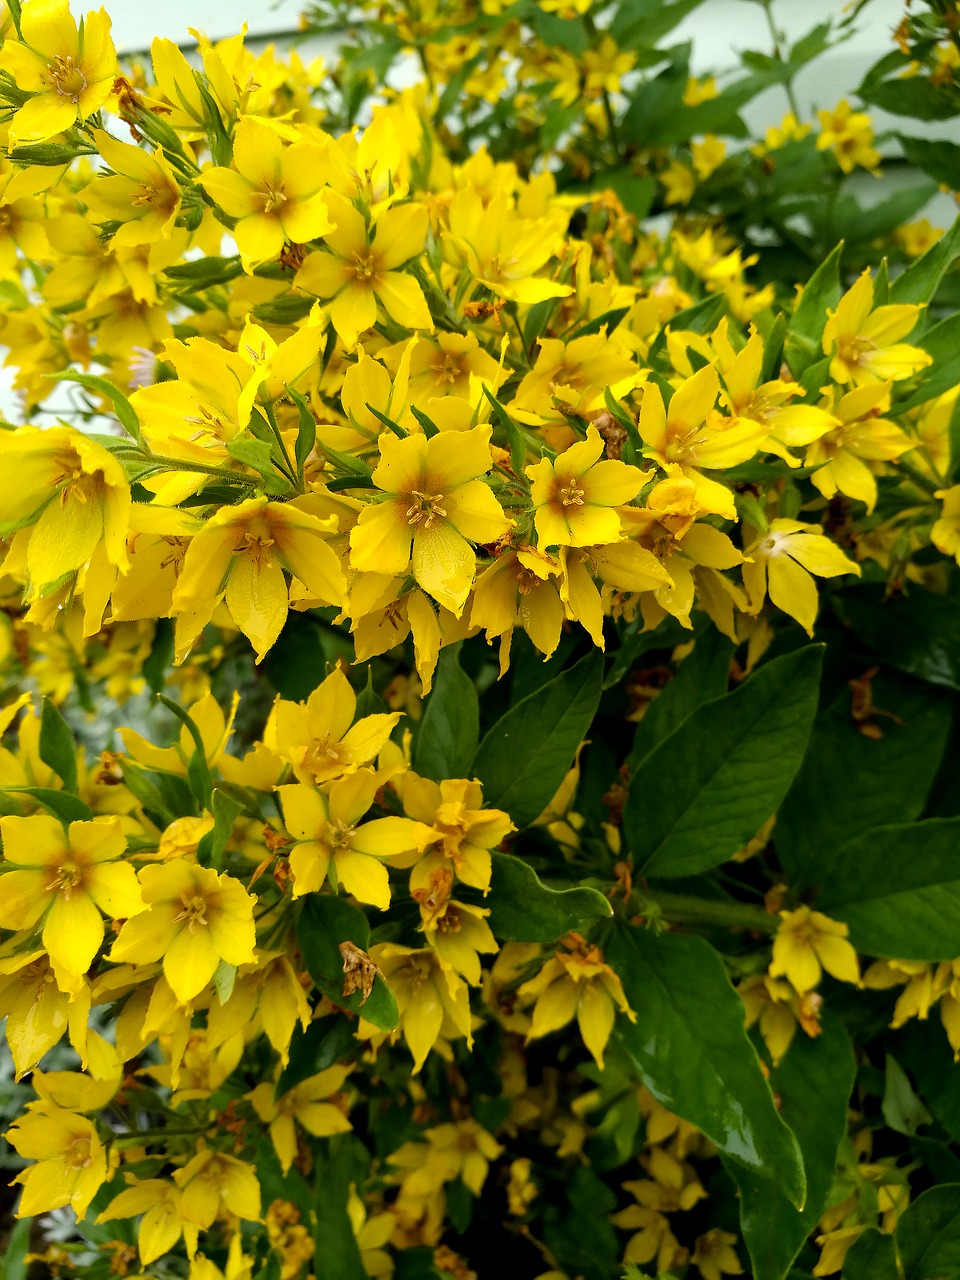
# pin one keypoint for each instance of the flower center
(194, 913)
(426, 507)
(67, 77)
(364, 268)
(571, 494)
(338, 834)
(324, 754)
(272, 197)
(77, 1155)
(67, 877)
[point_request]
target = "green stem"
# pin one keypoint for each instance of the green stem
(681, 908)
(778, 54)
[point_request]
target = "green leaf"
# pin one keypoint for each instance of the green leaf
(692, 1052)
(198, 771)
(802, 344)
(13, 1264)
(873, 1256)
(941, 159)
(917, 633)
(813, 1083)
(846, 775)
(942, 342)
(515, 441)
(223, 980)
(225, 812)
(916, 96)
(324, 922)
(878, 220)
(57, 747)
(523, 909)
(902, 1109)
(306, 432)
(258, 456)
(337, 1255)
(450, 729)
(63, 806)
(928, 1235)
(525, 756)
(701, 677)
(121, 405)
(706, 790)
(898, 889)
(922, 278)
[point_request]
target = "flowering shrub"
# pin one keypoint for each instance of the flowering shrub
(480, 643)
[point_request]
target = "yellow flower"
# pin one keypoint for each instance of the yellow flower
(576, 496)
(945, 534)
(708, 155)
(457, 931)
(241, 553)
(159, 1202)
(688, 435)
(519, 589)
(835, 1245)
(679, 182)
(70, 491)
(808, 942)
(37, 1012)
(502, 251)
(141, 193)
(328, 830)
(464, 831)
(213, 1182)
(195, 918)
(435, 503)
(71, 1162)
(850, 136)
(917, 237)
(317, 737)
(576, 982)
(308, 1104)
(715, 1255)
(66, 878)
(432, 998)
(275, 191)
(362, 267)
(864, 344)
(781, 562)
(861, 436)
(69, 71)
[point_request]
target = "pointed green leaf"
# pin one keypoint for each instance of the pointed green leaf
(813, 1083)
(324, 922)
(706, 790)
(873, 1256)
(524, 757)
(928, 1235)
(693, 1054)
(450, 729)
(846, 775)
(821, 293)
(922, 278)
(898, 889)
(57, 748)
(523, 909)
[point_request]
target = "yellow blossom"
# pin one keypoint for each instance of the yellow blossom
(160, 1226)
(195, 918)
(575, 496)
(67, 69)
(308, 1103)
(864, 344)
(576, 982)
(436, 505)
(862, 435)
(807, 942)
(715, 1255)
(141, 194)
(71, 1162)
(464, 832)
(783, 560)
(66, 878)
(362, 265)
(329, 832)
(274, 190)
(849, 134)
(432, 998)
